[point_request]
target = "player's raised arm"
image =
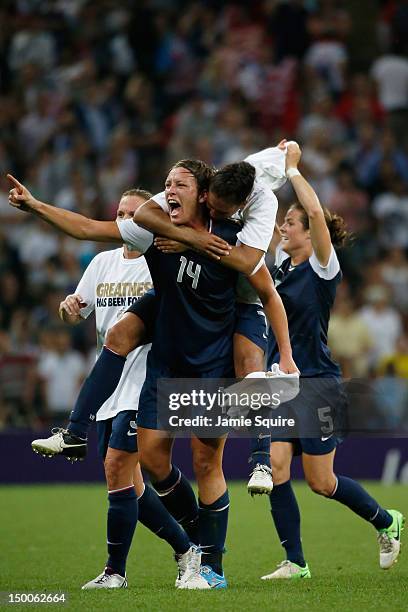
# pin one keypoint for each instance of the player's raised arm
(70, 223)
(319, 232)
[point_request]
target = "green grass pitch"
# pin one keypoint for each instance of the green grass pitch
(53, 539)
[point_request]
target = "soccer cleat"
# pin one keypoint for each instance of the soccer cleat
(107, 581)
(289, 570)
(188, 564)
(389, 540)
(61, 443)
(261, 480)
(205, 579)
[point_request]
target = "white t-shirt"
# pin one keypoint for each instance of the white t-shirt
(63, 374)
(110, 285)
(391, 74)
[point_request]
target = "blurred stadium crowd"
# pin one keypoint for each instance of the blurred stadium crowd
(97, 97)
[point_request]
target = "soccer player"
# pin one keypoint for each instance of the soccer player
(306, 274)
(199, 296)
(242, 190)
(125, 274)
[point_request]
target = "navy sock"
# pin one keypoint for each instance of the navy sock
(122, 519)
(97, 388)
(177, 495)
(260, 451)
(154, 516)
(213, 531)
(352, 495)
(286, 516)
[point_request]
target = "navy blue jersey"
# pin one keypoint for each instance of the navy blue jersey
(195, 320)
(308, 299)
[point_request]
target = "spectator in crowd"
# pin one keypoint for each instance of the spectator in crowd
(383, 322)
(61, 371)
(350, 339)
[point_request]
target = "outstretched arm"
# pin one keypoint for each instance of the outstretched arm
(70, 223)
(262, 282)
(319, 232)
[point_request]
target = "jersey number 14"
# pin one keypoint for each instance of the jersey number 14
(194, 274)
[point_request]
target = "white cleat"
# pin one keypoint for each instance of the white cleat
(389, 550)
(389, 540)
(107, 581)
(189, 564)
(260, 481)
(288, 570)
(61, 443)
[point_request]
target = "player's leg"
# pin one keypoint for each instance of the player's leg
(155, 516)
(121, 339)
(120, 464)
(250, 344)
(155, 448)
(320, 476)
(213, 511)
(286, 515)
(173, 488)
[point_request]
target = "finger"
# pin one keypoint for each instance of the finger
(15, 182)
(217, 251)
(219, 242)
(282, 144)
(212, 255)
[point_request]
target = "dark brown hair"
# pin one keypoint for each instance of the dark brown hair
(201, 171)
(233, 183)
(336, 225)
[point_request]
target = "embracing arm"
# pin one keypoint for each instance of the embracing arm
(241, 258)
(70, 223)
(262, 282)
(153, 218)
(319, 232)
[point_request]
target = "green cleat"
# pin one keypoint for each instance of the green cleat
(389, 540)
(289, 570)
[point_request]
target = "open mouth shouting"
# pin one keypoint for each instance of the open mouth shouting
(175, 208)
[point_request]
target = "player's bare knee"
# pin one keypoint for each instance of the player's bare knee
(157, 466)
(322, 487)
(205, 464)
(118, 472)
(118, 342)
(280, 475)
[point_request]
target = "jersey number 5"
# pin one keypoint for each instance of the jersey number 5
(195, 275)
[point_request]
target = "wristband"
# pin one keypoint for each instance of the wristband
(291, 172)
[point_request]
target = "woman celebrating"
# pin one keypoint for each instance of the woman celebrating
(306, 274)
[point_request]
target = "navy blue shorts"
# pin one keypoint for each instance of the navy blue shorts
(146, 309)
(251, 322)
(119, 432)
(320, 414)
(250, 319)
(147, 413)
